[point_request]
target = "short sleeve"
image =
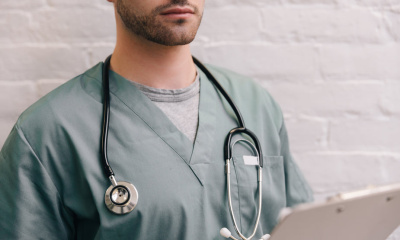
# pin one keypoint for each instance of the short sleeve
(297, 189)
(30, 205)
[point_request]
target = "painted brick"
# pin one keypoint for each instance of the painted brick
(21, 4)
(73, 3)
(34, 63)
(260, 3)
(393, 23)
(360, 62)
(260, 60)
(313, 2)
(366, 135)
(333, 172)
(390, 100)
(230, 26)
(308, 134)
(380, 4)
(331, 25)
(74, 25)
(220, 3)
(18, 31)
(329, 99)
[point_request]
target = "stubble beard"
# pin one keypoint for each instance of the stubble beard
(152, 29)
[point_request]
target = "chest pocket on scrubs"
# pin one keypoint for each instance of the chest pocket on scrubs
(245, 192)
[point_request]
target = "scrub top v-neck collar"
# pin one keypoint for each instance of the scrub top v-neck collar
(192, 153)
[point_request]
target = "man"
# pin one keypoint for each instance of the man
(167, 130)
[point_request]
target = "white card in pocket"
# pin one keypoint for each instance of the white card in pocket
(250, 160)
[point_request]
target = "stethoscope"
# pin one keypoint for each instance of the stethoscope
(122, 197)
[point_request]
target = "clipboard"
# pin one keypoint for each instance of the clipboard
(369, 214)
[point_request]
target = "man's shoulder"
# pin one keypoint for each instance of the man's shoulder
(66, 101)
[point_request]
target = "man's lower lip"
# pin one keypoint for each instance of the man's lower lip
(178, 15)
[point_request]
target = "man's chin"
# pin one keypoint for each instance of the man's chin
(172, 42)
(173, 38)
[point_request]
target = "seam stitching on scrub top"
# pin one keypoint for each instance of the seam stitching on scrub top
(21, 133)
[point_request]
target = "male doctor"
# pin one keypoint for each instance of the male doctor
(167, 129)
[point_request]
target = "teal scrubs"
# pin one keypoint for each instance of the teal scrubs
(52, 184)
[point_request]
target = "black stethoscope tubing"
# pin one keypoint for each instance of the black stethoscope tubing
(228, 140)
(106, 118)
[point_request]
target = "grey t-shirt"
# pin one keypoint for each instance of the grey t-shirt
(180, 105)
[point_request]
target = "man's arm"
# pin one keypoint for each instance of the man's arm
(30, 204)
(297, 188)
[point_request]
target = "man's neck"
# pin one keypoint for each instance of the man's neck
(153, 64)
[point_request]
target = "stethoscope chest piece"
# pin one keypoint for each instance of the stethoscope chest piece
(121, 198)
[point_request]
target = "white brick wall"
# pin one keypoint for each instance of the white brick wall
(333, 65)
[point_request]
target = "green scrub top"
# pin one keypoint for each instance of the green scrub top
(52, 184)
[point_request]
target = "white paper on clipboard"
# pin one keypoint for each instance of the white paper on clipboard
(371, 214)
